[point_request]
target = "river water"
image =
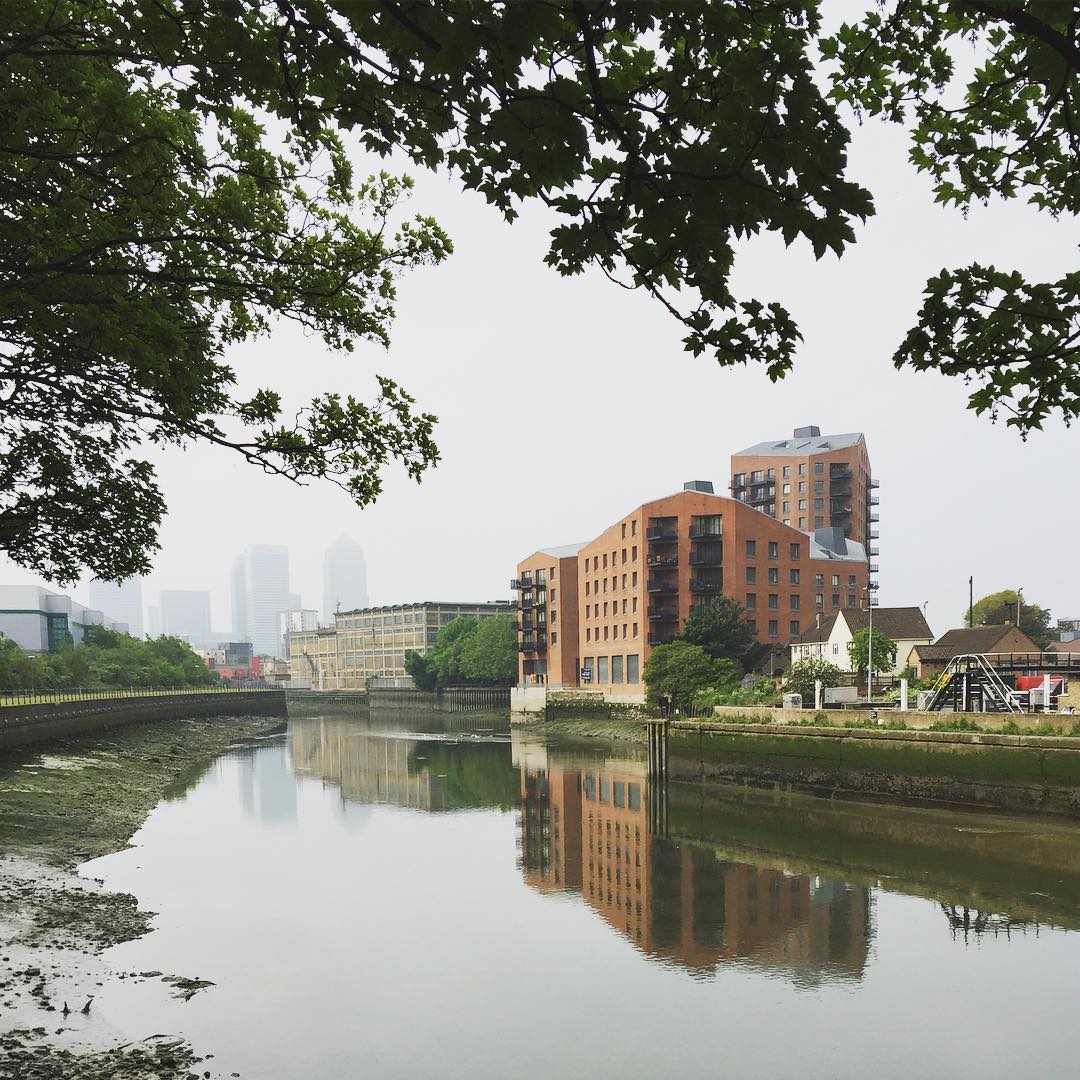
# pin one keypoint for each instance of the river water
(400, 900)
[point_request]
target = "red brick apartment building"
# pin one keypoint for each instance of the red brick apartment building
(638, 581)
(811, 481)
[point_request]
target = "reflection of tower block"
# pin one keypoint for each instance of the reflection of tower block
(656, 784)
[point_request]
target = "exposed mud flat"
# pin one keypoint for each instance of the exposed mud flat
(72, 801)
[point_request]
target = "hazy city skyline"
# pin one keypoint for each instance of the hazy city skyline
(493, 332)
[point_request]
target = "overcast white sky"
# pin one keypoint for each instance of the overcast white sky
(564, 403)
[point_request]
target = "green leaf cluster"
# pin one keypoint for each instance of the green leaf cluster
(722, 629)
(804, 673)
(468, 651)
(104, 659)
(682, 671)
(863, 643)
(999, 608)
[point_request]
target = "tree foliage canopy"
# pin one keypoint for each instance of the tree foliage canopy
(804, 673)
(999, 608)
(104, 659)
(865, 646)
(149, 223)
(722, 629)
(682, 670)
(468, 650)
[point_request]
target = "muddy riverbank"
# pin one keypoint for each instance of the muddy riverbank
(60, 805)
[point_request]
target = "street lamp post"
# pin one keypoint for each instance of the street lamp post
(1018, 592)
(870, 645)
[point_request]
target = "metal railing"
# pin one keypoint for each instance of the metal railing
(101, 693)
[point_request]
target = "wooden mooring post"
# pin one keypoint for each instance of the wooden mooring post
(658, 776)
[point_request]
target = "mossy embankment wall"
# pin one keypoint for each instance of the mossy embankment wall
(1025, 773)
(21, 725)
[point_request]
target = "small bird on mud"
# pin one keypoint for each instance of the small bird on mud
(65, 1010)
(85, 1010)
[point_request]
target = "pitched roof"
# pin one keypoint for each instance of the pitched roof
(798, 447)
(969, 639)
(898, 623)
(817, 633)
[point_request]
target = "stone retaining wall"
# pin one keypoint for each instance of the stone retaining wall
(1027, 773)
(21, 725)
(912, 719)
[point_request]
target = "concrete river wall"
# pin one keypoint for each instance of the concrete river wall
(40, 721)
(1025, 773)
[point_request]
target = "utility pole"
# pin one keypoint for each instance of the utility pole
(870, 649)
(971, 600)
(1018, 592)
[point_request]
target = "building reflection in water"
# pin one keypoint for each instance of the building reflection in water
(267, 784)
(585, 828)
(436, 773)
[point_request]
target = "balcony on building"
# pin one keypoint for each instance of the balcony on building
(873, 551)
(873, 568)
(873, 500)
(874, 517)
(874, 534)
(658, 613)
(521, 583)
(707, 555)
(839, 472)
(662, 585)
(661, 639)
(662, 562)
(706, 585)
(839, 511)
(526, 626)
(661, 534)
(840, 493)
(534, 645)
(875, 483)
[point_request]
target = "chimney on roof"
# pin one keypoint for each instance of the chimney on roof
(810, 432)
(817, 620)
(699, 485)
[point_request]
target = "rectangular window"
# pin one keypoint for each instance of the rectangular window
(633, 553)
(633, 532)
(595, 563)
(552, 573)
(624, 607)
(774, 550)
(773, 631)
(624, 631)
(635, 635)
(851, 581)
(633, 580)
(836, 645)
(605, 584)
(624, 581)
(614, 582)
(794, 628)
(751, 549)
(819, 504)
(802, 487)
(554, 638)
(819, 485)
(751, 601)
(794, 576)
(802, 523)
(774, 576)
(802, 504)
(554, 616)
(616, 669)
(819, 468)
(624, 530)
(605, 609)
(787, 510)
(757, 476)
(774, 601)
(787, 470)
(836, 581)
(588, 633)
(835, 599)
(601, 669)
(632, 668)
(802, 468)
(851, 599)
(624, 556)
(795, 550)
(819, 600)
(633, 604)
(605, 560)
(794, 601)
(819, 522)
(554, 597)
(786, 490)
(751, 575)
(605, 633)
(819, 580)
(771, 474)
(587, 584)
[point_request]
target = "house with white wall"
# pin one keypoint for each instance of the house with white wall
(829, 640)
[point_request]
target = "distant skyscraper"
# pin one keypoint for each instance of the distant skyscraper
(260, 590)
(121, 602)
(299, 618)
(153, 621)
(185, 613)
(344, 578)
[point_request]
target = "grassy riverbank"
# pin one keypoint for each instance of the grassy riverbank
(599, 727)
(61, 804)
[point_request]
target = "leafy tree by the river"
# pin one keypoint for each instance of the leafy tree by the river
(721, 628)
(804, 673)
(148, 223)
(1000, 608)
(682, 670)
(104, 659)
(864, 648)
(468, 650)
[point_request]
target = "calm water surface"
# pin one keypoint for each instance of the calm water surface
(386, 902)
